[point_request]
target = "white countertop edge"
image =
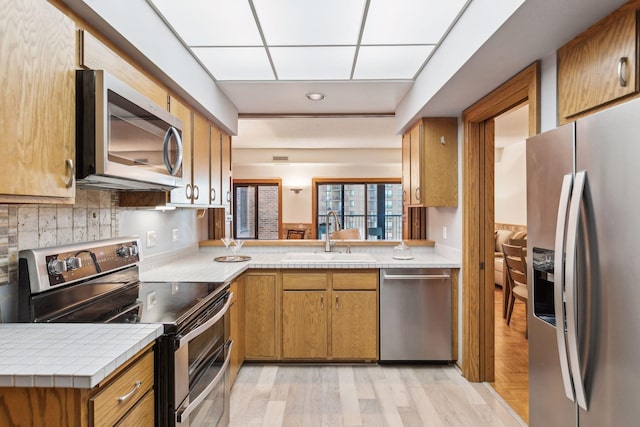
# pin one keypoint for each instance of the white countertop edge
(34, 371)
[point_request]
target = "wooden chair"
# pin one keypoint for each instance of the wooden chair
(295, 234)
(517, 276)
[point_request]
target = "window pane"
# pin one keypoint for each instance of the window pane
(268, 212)
(245, 209)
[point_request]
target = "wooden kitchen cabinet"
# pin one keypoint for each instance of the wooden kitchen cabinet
(216, 195)
(100, 406)
(262, 324)
(330, 315)
(225, 170)
(432, 163)
(304, 324)
(37, 118)
(236, 314)
(600, 65)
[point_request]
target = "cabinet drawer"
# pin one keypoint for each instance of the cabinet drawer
(106, 408)
(304, 281)
(143, 414)
(365, 280)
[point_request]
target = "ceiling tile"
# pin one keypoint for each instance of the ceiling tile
(236, 63)
(409, 21)
(313, 63)
(295, 22)
(211, 22)
(390, 62)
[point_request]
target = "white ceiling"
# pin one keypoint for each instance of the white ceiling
(344, 40)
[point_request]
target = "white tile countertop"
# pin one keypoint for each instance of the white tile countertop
(199, 265)
(68, 355)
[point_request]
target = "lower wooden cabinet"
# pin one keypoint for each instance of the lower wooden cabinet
(304, 324)
(261, 303)
(354, 325)
(330, 315)
(124, 398)
(236, 314)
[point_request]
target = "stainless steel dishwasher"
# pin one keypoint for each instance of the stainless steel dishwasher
(415, 315)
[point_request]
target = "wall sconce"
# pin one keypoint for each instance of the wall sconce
(296, 190)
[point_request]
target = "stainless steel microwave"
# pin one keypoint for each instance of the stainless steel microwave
(124, 141)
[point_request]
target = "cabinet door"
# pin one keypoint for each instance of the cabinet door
(184, 193)
(406, 168)
(589, 69)
(200, 164)
(215, 195)
(354, 325)
(415, 166)
(37, 118)
(143, 414)
(260, 303)
(439, 186)
(304, 324)
(225, 168)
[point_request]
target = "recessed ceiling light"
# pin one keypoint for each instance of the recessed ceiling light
(315, 96)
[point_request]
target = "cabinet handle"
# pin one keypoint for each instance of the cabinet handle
(72, 172)
(404, 195)
(321, 302)
(196, 192)
(213, 194)
(135, 388)
(621, 77)
(228, 196)
(417, 193)
(337, 302)
(188, 191)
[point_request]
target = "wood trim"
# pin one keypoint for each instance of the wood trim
(478, 216)
(314, 195)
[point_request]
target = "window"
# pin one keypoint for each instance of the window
(256, 213)
(373, 207)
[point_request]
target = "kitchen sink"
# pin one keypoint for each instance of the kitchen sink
(307, 257)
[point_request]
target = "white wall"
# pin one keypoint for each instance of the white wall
(511, 185)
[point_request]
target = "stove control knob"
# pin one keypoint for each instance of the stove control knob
(134, 250)
(124, 251)
(73, 263)
(57, 266)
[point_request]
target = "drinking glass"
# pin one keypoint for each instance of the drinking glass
(237, 244)
(227, 241)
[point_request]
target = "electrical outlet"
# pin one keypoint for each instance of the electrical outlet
(444, 232)
(174, 235)
(152, 238)
(151, 299)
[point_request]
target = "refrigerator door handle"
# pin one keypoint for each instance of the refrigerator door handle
(558, 270)
(571, 285)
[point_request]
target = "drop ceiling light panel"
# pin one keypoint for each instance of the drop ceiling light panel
(211, 22)
(390, 62)
(409, 21)
(313, 63)
(236, 63)
(295, 22)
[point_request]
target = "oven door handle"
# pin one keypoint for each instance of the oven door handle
(135, 307)
(183, 414)
(206, 325)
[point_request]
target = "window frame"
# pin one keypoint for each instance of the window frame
(256, 183)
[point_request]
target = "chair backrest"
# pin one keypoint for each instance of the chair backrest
(295, 234)
(516, 264)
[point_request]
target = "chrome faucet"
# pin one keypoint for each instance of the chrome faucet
(336, 226)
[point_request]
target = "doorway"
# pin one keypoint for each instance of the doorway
(511, 380)
(478, 222)
(257, 209)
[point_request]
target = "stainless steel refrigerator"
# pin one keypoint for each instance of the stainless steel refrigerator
(583, 215)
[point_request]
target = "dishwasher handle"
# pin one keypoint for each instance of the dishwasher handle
(416, 276)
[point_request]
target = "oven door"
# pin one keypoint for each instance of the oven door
(201, 360)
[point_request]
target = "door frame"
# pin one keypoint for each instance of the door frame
(478, 170)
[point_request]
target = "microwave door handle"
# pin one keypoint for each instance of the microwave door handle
(206, 325)
(173, 169)
(558, 268)
(183, 414)
(571, 289)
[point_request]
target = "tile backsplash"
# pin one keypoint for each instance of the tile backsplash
(94, 216)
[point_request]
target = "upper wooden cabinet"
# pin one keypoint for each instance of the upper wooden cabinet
(225, 169)
(600, 65)
(432, 162)
(37, 118)
(215, 172)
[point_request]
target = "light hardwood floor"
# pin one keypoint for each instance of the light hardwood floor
(363, 395)
(512, 358)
